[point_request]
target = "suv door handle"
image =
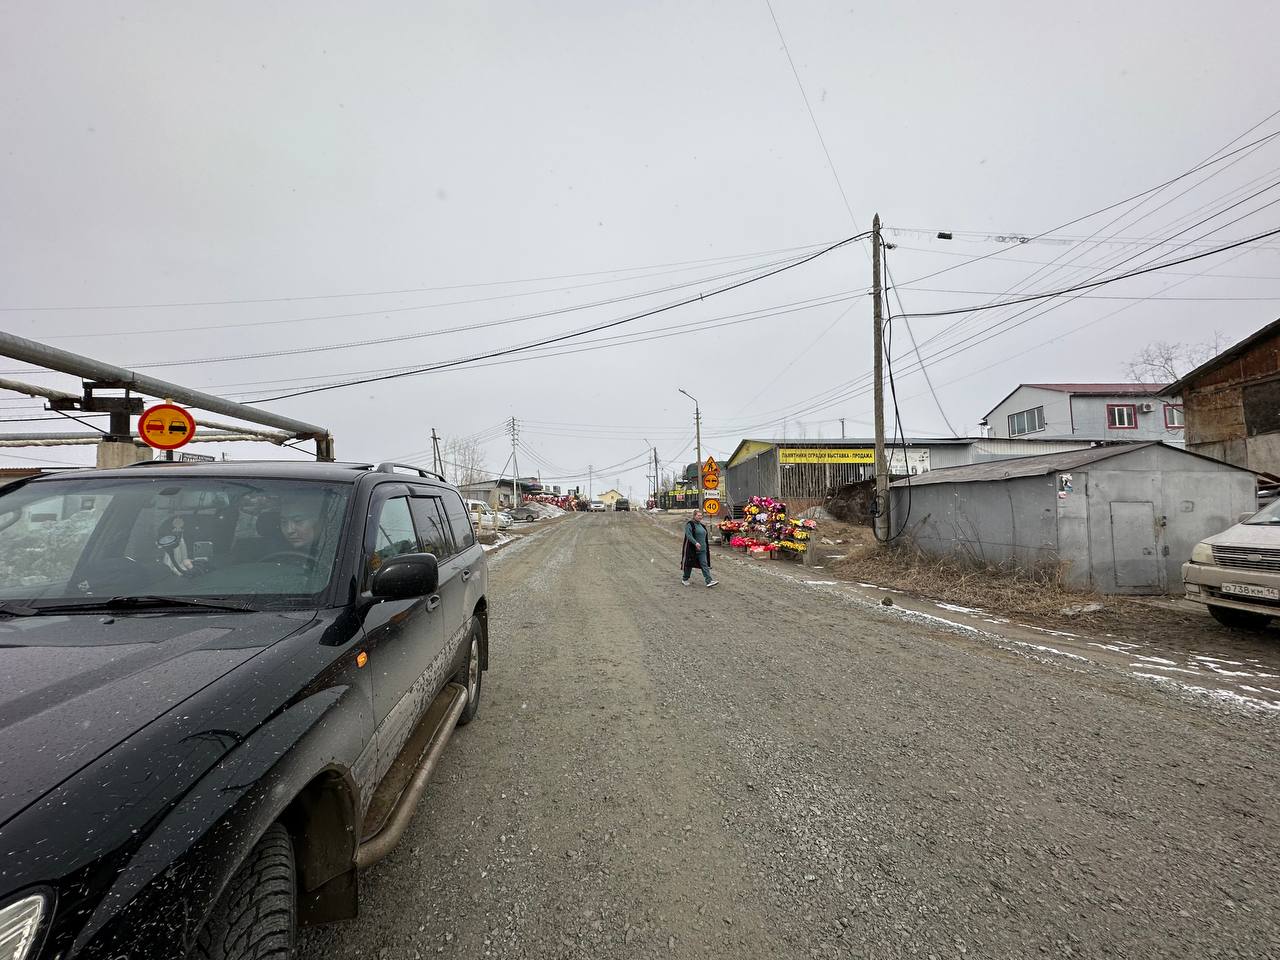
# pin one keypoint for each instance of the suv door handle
(433, 602)
(466, 575)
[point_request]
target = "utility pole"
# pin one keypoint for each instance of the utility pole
(515, 465)
(842, 428)
(590, 482)
(437, 461)
(697, 426)
(877, 341)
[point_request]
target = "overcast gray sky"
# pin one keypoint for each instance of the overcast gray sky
(413, 168)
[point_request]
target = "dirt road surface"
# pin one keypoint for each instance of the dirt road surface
(768, 769)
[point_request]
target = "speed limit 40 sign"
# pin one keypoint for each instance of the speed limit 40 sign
(711, 507)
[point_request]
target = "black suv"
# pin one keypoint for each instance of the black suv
(225, 687)
(622, 504)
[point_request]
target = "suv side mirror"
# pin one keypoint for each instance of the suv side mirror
(405, 577)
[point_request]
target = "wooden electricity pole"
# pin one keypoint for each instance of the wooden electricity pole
(877, 315)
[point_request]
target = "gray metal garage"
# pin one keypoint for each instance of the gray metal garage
(1116, 519)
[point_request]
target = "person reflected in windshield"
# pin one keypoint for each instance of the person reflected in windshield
(300, 521)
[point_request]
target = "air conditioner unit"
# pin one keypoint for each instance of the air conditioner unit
(1146, 407)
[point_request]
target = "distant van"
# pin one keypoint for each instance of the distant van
(483, 516)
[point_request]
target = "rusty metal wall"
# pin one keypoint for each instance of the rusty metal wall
(1214, 409)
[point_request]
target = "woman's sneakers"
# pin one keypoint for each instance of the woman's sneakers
(710, 583)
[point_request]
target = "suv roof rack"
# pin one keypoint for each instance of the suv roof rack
(391, 467)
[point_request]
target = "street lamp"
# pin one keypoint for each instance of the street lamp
(697, 425)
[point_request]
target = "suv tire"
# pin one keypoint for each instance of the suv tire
(471, 676)
(1239, 619)
(256, 919)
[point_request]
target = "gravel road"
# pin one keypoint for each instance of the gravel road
(769, 770)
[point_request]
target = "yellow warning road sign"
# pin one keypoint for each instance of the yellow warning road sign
(711, 507)
(166, 427)
(710, 466)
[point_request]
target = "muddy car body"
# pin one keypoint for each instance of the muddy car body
(153, 740)
(1236, 573)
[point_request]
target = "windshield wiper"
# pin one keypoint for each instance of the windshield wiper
(17, 609)
(143, 600)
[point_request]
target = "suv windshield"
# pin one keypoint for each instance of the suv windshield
(265, 542)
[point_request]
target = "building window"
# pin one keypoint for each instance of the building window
(1122, 416)
(1026, 421)
(1173, 416)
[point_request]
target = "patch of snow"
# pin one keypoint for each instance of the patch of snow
(1173, 669)
(1241, 673)
(1138, 656)
(1052, 633)
(1227, 696)
(1050, 650)
(956, 609)
(1115, 647)
(1232, 663)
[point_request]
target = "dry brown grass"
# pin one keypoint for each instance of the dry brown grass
(1007, 591)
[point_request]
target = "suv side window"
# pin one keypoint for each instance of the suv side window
(394, 535)
(459, 521)
(434, 532)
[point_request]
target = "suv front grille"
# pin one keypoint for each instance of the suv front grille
(1248, 558)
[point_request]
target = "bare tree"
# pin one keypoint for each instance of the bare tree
(1163, 362)
(463, 462)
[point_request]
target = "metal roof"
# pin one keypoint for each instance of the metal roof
(1038, 465)
(1226, 356)
(1102, 389)
(1092, 390)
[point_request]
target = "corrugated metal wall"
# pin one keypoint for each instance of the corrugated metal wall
(756, 477)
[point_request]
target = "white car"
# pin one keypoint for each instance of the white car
(485, 518)
(596, 506)
(1236, 573)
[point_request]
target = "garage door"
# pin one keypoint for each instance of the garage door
(1133, 540)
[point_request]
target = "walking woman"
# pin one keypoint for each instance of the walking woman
(696, 552)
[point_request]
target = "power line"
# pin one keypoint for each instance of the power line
(813, 119)
(571, 335)
(1097, 283)
(465, 328)
(1111, 206)
(380, 293)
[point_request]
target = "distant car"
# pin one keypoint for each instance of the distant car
(622, 505)
(484, 516)
(596, 506)
(525, 515)
(1236, 573)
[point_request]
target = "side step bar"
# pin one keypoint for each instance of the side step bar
(441, 720)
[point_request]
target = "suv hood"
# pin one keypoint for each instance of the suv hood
(75, 686)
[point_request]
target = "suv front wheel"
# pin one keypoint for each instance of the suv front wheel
(256, 919)
(1239, 619)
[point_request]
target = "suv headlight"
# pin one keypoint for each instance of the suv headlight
(19, 924)
(1202, 553)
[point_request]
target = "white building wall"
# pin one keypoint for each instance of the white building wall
(1057, 412)
(1090, 414)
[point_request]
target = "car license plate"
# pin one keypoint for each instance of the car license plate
(1250, 590)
